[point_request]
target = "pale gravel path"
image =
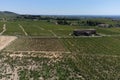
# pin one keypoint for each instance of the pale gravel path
(41, 28)
(23, 30)
(53, 33)
(4, 29)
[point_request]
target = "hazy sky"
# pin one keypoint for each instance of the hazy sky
(62, 7)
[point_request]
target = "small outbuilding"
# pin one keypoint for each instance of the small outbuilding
(84, 32)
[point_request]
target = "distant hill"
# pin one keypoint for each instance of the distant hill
(7, 14)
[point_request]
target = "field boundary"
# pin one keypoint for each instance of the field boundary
(53, 33)
(67, 52)
(99, 55)
(4, 29)
(23, 29)
(36, 51)
(41, 28)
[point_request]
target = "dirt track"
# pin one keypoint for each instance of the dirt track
(4, 29)
(23, 30)
(6, 40)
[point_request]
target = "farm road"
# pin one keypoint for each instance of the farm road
(4, 29)
(23, 30)
(41, 28)
(37, 51)
(53, 33)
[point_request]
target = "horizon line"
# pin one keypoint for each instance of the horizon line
(64, 14)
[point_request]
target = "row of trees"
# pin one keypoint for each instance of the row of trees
(81, 23)
(33, 17)
(89, 23)
(64, 21)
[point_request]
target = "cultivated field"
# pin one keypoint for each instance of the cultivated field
(94, 45)
(36, 44)
(46, 51)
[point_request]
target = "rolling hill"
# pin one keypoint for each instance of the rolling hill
(7, 14)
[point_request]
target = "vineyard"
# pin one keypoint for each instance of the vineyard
(46, 29)
(36, 44)
(1, 27)
(46, 51)
(13, 29)
(99, 45)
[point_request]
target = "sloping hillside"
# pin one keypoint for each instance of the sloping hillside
(7, 14)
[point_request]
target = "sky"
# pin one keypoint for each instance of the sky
(62, 7)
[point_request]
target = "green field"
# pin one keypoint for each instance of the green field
(1, 26)
(47, 29)
(99, 45)
(13, 29)
(50, 52)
